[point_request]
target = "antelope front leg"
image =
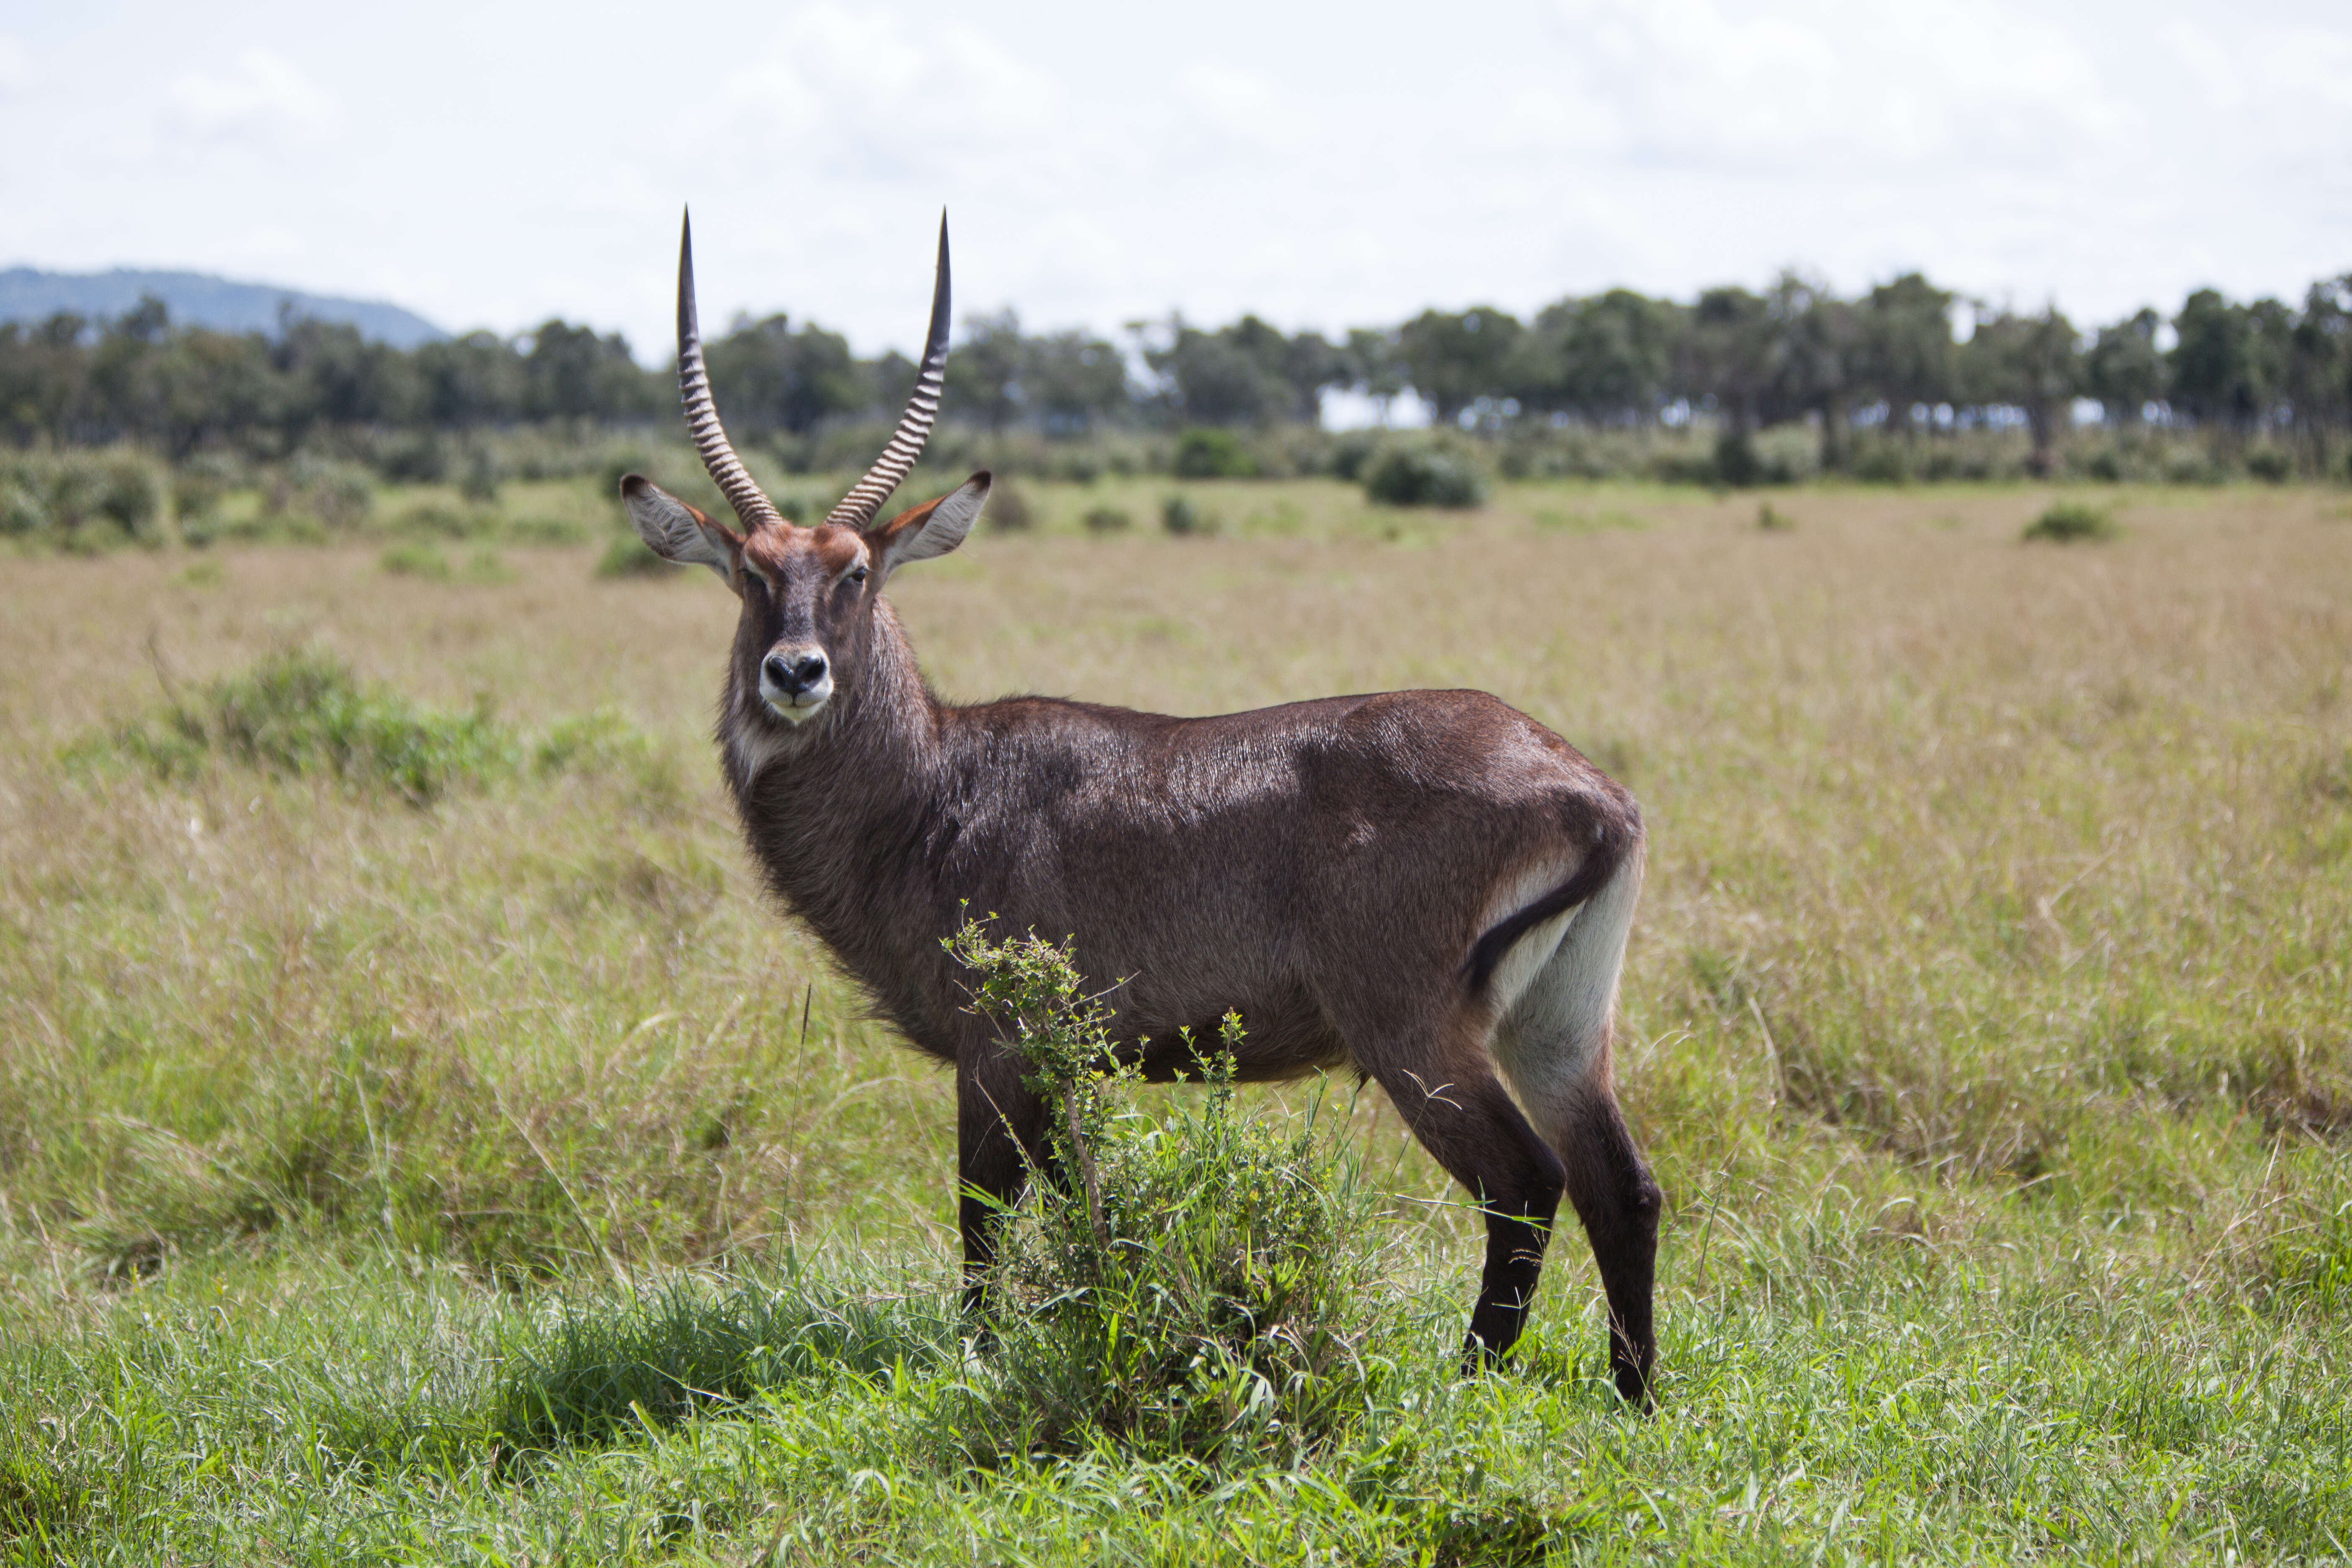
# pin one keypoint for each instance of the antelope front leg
(1000, 1137)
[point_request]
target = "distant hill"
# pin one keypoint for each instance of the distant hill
(199, 298)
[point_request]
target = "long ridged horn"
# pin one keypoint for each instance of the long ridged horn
(857, 508)
(725, 468)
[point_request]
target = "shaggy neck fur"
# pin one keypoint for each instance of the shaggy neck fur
(840, 809)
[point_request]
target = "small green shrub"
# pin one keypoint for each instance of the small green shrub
(1108, 519)
(1009, 510)
(479, 480)
(2271, 465)
(1175, 1285)
(486, 569)
(590, 743)
(1784, 455)
(2187, 465)
(1405, 476)
(415, 560)
(339, 495)
(628, 556)
(82, 500)
(198, 487)
(445, 521)
(2069, 523)
(1884, 460)
(1736, 463)
(1182, 516)
(1202, 453)
(1352, 453)
(540, 528)
(1771, 520)
(304, 713)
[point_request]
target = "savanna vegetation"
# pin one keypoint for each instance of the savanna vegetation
(1904, 383)
(418, 1143)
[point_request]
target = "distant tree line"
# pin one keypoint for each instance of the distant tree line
(1734, 362)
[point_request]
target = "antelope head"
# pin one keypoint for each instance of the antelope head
(808, 593)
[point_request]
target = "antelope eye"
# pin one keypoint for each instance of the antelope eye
(857, 575)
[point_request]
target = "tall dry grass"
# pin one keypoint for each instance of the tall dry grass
(1980, 868)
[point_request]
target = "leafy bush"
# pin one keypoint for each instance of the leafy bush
(1180, 516)
(1009, 510)
(1405, 476)
(304, 713)
(628, 556)
(1108, 519)
(1177, 1285)
(198, 487)
(82, 500)
(1735, 460)
(415, 560)
(328, 495)
(1787, 454)
(446, 521)
(2069, 523)
(479, 482)
(1770, 519)
(2271, 465)
(2188, 465)
(421, 458)
(1351, 453)
(1208, 454)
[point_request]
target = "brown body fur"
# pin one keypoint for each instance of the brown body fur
(1328, 870)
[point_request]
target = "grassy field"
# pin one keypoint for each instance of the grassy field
(453, 1160)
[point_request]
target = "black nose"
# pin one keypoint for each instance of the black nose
(794, 673)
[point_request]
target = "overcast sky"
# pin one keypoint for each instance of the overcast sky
(1323, 165)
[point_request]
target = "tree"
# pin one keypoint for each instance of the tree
(2124, 368)
(1372, 366)
(573, 373)
(471, 381)
(1727, 355)
(336, 378)
(1455, 358)
(783, 378)
(2229, 360)
(1075, 382)
(1234, 375)
(2319, 365)
(1814, 356)
(986, 372)
(1904, 349)
(2033, 362)
(1609, 360)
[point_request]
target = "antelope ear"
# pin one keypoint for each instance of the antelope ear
(932, 529)
(676, 532)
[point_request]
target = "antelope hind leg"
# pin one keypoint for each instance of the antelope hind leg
(1470, 1126)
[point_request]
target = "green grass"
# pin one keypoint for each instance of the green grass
(487, 1173)
(2069, 523)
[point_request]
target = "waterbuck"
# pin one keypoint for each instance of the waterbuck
(1428, 888)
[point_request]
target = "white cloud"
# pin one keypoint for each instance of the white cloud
(493, 164)
(858, 94)
(1858, 81)
(260, 96)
